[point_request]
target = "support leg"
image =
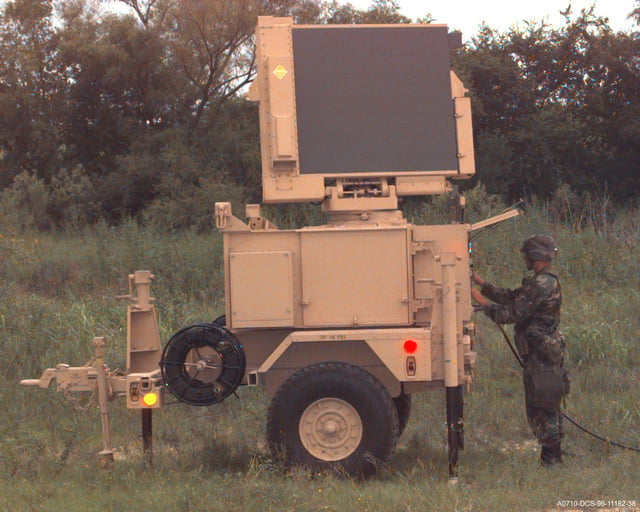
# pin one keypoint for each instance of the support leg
(105, 457)
(147, 435)
(455, 431)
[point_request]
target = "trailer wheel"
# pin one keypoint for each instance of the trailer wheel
(403, 406)
(332, 417)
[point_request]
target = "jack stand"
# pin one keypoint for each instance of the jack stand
(455, 431)
(105, 457)
(147, 436)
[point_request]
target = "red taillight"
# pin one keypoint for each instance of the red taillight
(410, 346)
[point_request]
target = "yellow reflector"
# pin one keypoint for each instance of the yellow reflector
(150, 399)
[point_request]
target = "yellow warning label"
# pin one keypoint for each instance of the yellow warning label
(280, 72)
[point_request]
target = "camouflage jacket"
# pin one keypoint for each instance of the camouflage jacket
(533, 308)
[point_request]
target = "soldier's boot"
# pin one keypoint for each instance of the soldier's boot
(550, 454)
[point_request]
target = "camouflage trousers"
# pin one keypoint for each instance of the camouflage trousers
(544, 387)
(545, 383)
(546, 425)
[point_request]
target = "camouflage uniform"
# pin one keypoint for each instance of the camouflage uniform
(534, 309)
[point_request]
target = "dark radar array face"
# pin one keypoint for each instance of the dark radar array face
(373, 100)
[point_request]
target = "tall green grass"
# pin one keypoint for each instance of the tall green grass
(57, 291)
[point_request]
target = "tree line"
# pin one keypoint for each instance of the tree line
(139, 111)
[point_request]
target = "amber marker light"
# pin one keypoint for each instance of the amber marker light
(410, 346)
(150, 399)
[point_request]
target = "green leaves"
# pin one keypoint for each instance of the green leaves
(556, 105)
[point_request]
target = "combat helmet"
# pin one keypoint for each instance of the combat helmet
(539, 248)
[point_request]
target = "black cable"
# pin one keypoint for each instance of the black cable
(564, 415)
(603, 439)
(515, 353)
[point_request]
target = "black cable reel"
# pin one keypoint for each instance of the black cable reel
(203, 364)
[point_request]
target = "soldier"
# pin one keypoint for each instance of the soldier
(534, 309)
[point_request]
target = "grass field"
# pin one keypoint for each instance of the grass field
(57, 292)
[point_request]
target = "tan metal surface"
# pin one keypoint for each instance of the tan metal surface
(464, 127)
(494, 220)
(204, 363)
(44, 381)
(143, 341)
(274, 88)
(249, 249)
(464, 140)
(421, 186)
(68, 378)
(330, 429)
(103, 397)
(360, 274)
(346, 275)
(355, 277)
(386, 344)
(225, 221)
(261, 292)
(430, 245)
(449, 324)
(300, 355)
(143, 346)
(334, 202)
(140, 384)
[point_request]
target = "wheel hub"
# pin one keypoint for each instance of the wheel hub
(203, 363)
(330, 429)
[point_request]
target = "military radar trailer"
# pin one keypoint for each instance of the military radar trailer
(339, 323)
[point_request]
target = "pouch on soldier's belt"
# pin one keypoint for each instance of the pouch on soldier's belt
(546, 381)
(545, 387)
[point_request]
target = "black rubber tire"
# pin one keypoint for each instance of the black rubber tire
(403, 407)
(345, 382)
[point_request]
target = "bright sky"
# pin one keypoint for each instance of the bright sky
(468, 15)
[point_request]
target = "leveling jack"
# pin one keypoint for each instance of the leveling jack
(455, 427)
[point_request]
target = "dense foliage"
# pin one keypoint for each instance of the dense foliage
(556, 105)
(139, 112)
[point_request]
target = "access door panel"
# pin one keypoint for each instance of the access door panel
(355, 277)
